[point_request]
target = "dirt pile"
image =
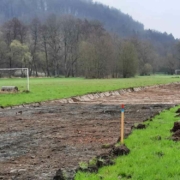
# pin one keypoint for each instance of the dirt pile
(176, 131)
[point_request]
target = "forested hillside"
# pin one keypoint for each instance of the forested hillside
(27, 9)
(81, 38)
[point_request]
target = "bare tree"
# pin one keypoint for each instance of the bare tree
(54, 42)
(96, 55)
(70, 29)
(35, 44)
(14, 30)
(3, 53)
(45, 47)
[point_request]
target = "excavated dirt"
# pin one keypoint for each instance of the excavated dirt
(176, 130)
(37, 140)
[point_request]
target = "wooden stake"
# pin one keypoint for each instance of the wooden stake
(122, 125)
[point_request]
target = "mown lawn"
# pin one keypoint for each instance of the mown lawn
(43, 89)
(153, 155)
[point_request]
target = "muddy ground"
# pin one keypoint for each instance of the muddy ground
(38, 139)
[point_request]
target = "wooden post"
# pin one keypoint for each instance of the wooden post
(27, 79)
(122, 125)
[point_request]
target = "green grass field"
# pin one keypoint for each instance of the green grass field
(153, 156)
(43, 89)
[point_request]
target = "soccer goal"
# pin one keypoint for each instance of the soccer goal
(15, 77)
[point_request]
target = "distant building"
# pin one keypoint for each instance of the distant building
(177, 71)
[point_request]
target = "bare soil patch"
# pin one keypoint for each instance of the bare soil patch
(37, 140)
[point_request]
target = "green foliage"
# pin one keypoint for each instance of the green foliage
(43, 89)
(147, 69)
(19, 52)
(129, 60)
(150, 158)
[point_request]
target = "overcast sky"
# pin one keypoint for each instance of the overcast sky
(161, 15)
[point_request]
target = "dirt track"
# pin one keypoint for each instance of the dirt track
(36, 140)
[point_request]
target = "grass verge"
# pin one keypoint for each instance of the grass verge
(153, 155)
(43, 89)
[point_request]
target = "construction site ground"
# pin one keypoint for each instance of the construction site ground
(38, 139)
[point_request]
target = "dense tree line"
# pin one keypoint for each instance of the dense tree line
(69, 46)
(82, 38)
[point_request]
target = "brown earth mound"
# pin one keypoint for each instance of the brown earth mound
(176, 131)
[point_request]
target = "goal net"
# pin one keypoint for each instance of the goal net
(15, 77)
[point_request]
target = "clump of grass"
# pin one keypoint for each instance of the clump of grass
(107, 146)
(93, 161)
(83, 165)
(153, 154)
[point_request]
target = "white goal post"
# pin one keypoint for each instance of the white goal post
(12, 69)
